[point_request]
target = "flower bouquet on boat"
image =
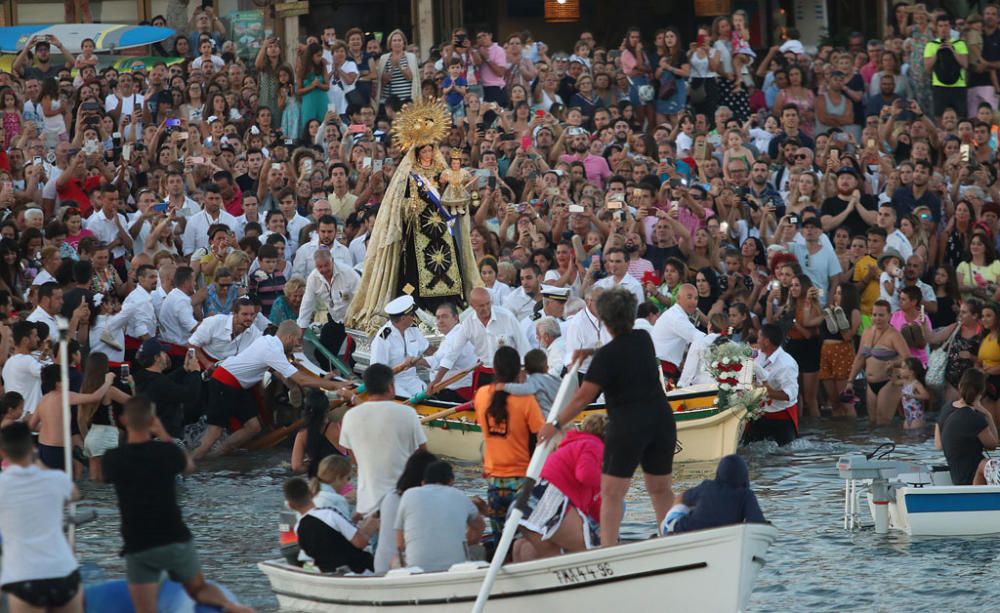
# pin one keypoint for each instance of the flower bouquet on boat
(711, 570)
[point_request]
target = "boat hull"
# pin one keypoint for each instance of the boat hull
(702, 434)
(708, 570)
(952, 510)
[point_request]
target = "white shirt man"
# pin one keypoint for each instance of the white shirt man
(140, 314)
(382, 434)
(616, 263)
(695, 370)
(40, 315)
(249, 365)
(177, 320)
(781, 372)
(673, 331)
(334, 294)
(106, 229)
(524, 300)
(358, 249)
(450, 356)
(552, 341)
(326, 235)
(500, 328)
(22, 373)
(585, 330)
(214, 335)
(894, 237)
(196, 231)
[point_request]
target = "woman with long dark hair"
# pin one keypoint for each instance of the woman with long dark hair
(509, 425)
(837, 351)
(11, 278)
(320, 437)
(636, 66)
(269, 59)
(672, 67)
(99, 420)
(413, 476)
(311, 85)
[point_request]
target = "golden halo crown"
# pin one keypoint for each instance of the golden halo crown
(456, 154)
(421, 123)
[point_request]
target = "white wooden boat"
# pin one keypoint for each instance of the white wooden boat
(704, 431)
(918, 500)
(708, 570)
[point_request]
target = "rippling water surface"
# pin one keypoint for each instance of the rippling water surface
(232, 505)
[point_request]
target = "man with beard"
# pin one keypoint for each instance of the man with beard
(760, 193)
(525, 300)
(848, 207)
(906, 198)
(596, 166)
(325, 238)
(43, 67)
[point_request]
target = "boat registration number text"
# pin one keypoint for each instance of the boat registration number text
(582, 574)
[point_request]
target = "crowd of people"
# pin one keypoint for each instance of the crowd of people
(835, 206)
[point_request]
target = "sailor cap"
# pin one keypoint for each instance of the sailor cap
(400, 306)
(559, 294)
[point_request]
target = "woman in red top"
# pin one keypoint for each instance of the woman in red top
(566, 503)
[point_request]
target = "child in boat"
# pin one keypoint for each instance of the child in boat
(539, 383)
(911, 381)
(722, 501)
(326, 536)
(332, 477)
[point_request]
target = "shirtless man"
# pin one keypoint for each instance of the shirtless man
(47, 419)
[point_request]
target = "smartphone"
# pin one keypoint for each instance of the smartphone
(182, 135)
(871, 143)
(700, 150)
(614, 205)
(127, 152)
(525, 142)
(37, 160)
(332, 108)
(276, 166)
(793, 219)
(964, 152)
(90, 107)
(366, 163)
(197, 160)
(191, 353)
(576, 208)
(539, 114)
(377, 166)
(307, 166)
(356, 128)
(160, 207)
(552, 191)
(492, 182)
(173, 123)
(701, 40)
(595, 259)
(125, 371)
(835, 154)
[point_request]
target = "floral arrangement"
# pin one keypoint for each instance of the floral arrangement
(726, 362)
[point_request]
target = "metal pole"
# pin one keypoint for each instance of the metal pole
(66, 418)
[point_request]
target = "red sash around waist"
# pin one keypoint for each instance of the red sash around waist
(226, 378)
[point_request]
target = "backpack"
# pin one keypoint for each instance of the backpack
(946, 68)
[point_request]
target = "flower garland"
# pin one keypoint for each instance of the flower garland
(726, 362)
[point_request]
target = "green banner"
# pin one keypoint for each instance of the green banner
(246, 28)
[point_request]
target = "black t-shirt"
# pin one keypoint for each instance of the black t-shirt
(657, 256)
(628, 372)
(143, 475)
(960, 428)
(36, 72)
(835, 205)
(330, 549)
(247, 184)
(990, 53)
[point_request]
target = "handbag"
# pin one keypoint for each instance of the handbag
(697, 92)
(937, 363)
(646, 92)
(668, 87)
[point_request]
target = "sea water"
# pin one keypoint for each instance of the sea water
(815, 565)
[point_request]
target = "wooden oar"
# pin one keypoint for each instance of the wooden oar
(465, 406)
(566, 390)
(443, 384)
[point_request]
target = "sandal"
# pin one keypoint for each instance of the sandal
(842, 322)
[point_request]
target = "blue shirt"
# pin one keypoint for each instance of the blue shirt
(454, 98)
(819, 266)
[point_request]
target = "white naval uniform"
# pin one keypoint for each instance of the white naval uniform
(391, 347)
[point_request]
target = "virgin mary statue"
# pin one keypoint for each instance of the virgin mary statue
(419, 244)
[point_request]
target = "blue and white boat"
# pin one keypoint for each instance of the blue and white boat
(918, 500)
